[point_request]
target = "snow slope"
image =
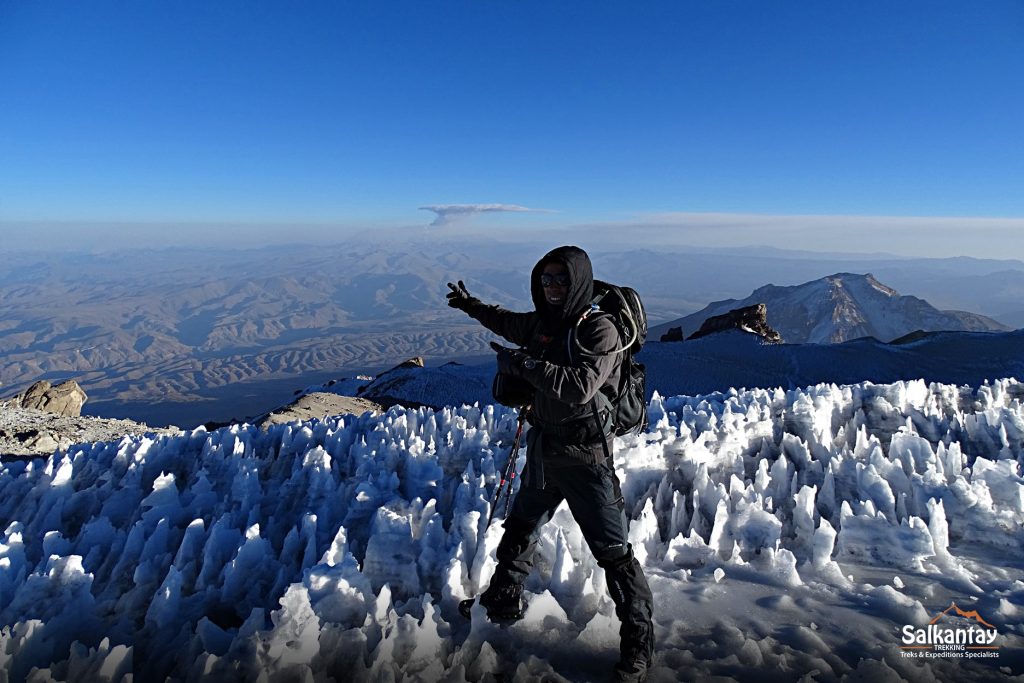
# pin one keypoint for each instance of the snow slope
(736, 359)
(787, 535)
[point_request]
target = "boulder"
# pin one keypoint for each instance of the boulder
(674, 334)
(65, 399)
(43, 442)
(751, 319)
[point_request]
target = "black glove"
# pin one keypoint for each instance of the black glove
(460, 297)
(512, 361)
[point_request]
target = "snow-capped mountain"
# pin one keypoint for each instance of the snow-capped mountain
(838, 308)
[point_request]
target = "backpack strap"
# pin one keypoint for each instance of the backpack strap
(608, 426)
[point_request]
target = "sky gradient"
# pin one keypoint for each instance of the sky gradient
(367, 114)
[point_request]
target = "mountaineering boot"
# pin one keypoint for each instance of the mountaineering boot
(634, 658)
(503, 602)
(633, 606)
(503, 598)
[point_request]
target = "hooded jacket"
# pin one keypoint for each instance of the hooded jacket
(566, 378)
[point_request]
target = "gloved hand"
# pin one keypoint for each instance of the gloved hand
(460, 297)
(512, 361)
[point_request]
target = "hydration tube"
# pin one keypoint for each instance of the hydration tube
(627, 321)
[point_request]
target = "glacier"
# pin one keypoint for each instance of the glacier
(786, 534)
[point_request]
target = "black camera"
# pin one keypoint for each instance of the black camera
(512, 391)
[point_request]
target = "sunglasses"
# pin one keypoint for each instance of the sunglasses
(562, 280)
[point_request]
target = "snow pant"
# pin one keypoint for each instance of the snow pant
(595, 500)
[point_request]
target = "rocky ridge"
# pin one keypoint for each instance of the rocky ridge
(33, 432)
(45, 418)
(751, 319)
(319, 405)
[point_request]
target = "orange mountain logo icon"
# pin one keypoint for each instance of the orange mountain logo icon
(973, 614)
(953, 637)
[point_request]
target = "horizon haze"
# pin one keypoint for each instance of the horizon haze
(827, 236)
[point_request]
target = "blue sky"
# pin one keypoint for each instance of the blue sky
(359, 114)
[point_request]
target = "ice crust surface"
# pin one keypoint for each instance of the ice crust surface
(785, 534)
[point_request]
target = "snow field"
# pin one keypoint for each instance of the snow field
(784, 533)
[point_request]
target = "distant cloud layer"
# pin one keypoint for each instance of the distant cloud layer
(924, 236)
(915, 236)
(451, 213)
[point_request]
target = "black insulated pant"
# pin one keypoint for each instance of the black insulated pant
(595, 500)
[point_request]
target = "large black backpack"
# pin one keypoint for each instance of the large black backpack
(623, 305)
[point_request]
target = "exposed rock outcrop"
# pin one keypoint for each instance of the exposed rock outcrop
(752, 319)
(320, 405)
(674, 334)
(65, 399)
(338, 397)
(30, 432)
(911, 337)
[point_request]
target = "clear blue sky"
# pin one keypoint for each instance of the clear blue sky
(364, 112)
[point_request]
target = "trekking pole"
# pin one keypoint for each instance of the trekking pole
(509, 474)
(507, 478)
(508, 494)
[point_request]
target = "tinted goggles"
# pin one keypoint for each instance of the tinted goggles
(562, 280)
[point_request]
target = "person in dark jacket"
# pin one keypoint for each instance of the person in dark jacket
(569, 444)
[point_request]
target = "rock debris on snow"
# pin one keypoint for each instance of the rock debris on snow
(33, 432)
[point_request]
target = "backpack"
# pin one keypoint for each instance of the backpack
(629, 405)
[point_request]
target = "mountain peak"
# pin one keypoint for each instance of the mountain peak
(841, 307)
(851, 280)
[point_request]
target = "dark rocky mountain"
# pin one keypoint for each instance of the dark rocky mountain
(750, 319)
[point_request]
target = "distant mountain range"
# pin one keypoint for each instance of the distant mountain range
(839, 308)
